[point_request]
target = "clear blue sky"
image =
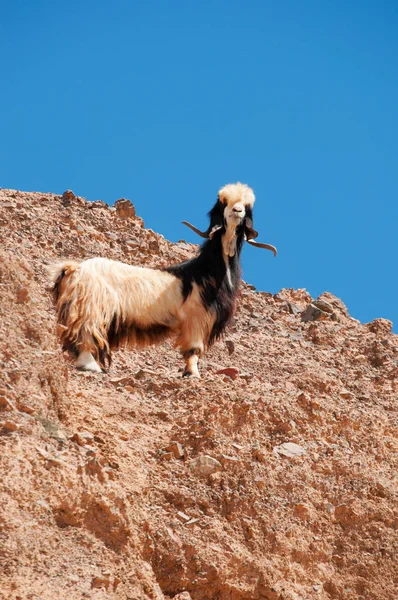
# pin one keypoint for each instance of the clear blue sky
(165, 102)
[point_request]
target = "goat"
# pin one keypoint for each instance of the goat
(103, 304)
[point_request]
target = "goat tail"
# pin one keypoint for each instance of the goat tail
(59, 274)
(80, 327)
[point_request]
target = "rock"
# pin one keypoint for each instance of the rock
(191, 522)
(100, 582)
(205, 465)
(53, 429)
(260, 483)
(231, 372)
(124, 209)
(346, 395)
(323, 305)
(176, 449)
(82, 438)
(183, 517)
(293, 308)
(225, 459)
(5, 403)
(237, 446)
(289, 449)
(259, 455)
(230, 346)
(302, 511)
(10, 426)
(380, 326)
(25, 408)
(313, 313)
(166, 456)
(345, 514)
(67, 198)
(183, 596)
(143, 373)
(22, 296)
(97, 204)
(338, 305)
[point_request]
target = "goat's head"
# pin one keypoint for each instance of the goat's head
(232, 214)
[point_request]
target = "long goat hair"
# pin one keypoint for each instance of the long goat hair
(104, 304)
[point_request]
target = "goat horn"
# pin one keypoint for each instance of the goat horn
(258, 245)
(203, 234)
(213, 231)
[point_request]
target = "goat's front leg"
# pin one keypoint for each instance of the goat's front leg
(86, 362)
(191, 358)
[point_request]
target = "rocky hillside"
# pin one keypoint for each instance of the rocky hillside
(273, 477)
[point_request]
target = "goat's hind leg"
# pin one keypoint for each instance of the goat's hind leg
(191, 358)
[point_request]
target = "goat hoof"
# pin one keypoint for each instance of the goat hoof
(90, 369)
(189, 374)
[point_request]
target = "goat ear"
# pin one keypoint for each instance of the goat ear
(216, 221)
(250, 233)
(216, 216)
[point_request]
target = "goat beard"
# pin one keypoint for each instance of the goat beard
(229, 241)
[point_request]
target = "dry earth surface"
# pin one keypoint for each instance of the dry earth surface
(138, 484)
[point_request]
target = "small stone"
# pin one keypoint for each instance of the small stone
(225, 459)
(346, 394)
(382, 487)
(99, 582)
(142, 373)
(237, 446)
(116, 582)
(22, 296)
(183, 517)
(231, 372)
(259, 455)
(162, 415)
(191, 522)
(10, 426)
(205, 465)
(176, 449)
(302, 511)
(183, 596)
(317, 588)
(290, 450)
(52, 428)
(82, 437)
(166, 456)
(25, 408)
(345, 514)
(260, 483)
(329, 508)
(5, 403)
(230, 346)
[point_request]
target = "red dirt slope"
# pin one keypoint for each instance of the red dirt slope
(105, 488)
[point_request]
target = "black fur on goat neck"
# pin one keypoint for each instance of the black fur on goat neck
(209, 271)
